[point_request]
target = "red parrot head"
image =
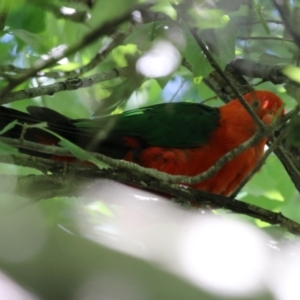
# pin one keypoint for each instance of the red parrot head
(266, 105)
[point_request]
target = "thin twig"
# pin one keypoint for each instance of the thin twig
(273, 146)
(274, 38)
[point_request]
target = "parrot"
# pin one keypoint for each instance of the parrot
(178, 138)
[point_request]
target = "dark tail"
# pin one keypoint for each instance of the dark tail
(92, 139)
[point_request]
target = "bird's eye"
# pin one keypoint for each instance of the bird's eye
(255, 104)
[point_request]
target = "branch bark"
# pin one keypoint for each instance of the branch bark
(66, 85)
(73, 179)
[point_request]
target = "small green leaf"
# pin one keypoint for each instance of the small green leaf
(198, 80)
(74, 149)
(81, 154)
(6, 149)
(38, 125)
(8, 127)
(77, 151)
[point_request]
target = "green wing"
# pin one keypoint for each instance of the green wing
(178, 125)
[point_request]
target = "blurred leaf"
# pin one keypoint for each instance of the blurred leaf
(271, 59)
(292, 72)
(104, 10)
(231, 5)
(226, 38)
(69, 266)
(6, 55)
(27, 17)
(119, 95)
(35, 41)
(293, 137)
(6, 149)
(165, 8)
(75, 150)
(294, 19)
(81, 154)
(270, 186)
(205, 18)
(258, 9)
(294, 91)
(194, 55)
(145, 34)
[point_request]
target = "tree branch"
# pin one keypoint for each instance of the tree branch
(254, 69)
(100, 55)
(71, 183)
(66, 85)
(271, 149)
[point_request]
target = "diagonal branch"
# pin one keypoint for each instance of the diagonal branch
(117, 39)
(103, 29)
(66, 85)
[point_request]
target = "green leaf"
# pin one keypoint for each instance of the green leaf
(292, 72)
(27, 17)
(194, 55)
(120, 94)
(35, 41)
(226, 38)
(166, 8)
(8, 127)
(293, 132)
(229, 5)
(6, 149)
(77, 151)
(80, 153)
(38, 125)
(293, 91)
(145, 34)
(104, 10)
(271, 59)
